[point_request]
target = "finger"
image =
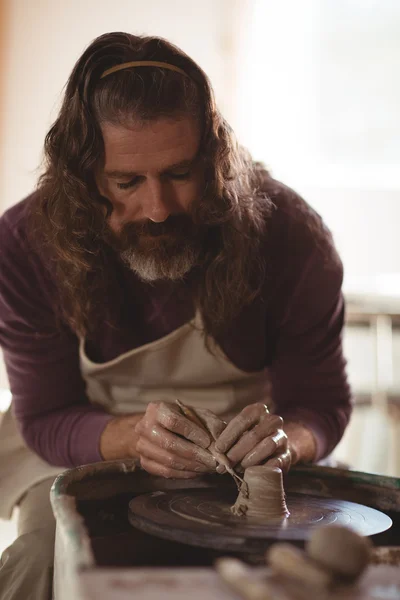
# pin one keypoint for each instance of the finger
(283, 461)
(172, 419)
(248, 417)
(145, 448)
(139, 426)
(169, 441)
(211, 421)
(155, 468)
(268, 447)
(268, 425)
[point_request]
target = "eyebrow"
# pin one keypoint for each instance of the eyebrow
(118, 174)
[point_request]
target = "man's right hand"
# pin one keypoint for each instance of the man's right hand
(172, 446)
(167, 443)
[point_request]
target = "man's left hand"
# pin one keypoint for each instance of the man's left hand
(255, 437)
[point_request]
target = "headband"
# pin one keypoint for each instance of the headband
(143, 63)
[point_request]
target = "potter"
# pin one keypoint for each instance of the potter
(156, 259)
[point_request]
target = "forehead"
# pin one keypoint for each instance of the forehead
(150, 145)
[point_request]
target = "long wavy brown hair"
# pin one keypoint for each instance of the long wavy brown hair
(69, 216)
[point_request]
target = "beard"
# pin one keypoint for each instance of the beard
(156, 251)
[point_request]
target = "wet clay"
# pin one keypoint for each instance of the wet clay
(265, 497)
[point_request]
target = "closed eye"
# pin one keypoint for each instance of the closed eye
(131, 183)
(135, 180)
(185, 175)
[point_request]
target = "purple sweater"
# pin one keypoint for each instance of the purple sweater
(294, 328)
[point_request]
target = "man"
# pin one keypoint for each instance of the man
(156, 261)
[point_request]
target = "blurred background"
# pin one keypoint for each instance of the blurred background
(312, 88)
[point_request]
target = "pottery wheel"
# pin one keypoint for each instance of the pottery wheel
(203, 518)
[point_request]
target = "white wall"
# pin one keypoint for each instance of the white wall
(318, 102)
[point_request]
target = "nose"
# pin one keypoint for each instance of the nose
(157, 204)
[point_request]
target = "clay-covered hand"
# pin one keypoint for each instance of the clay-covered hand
(172, 446)
(255, 437)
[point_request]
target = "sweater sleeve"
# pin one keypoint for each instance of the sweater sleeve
(308, 373)
(55, 417)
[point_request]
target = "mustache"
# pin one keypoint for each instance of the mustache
(173, 225)
(176, 227)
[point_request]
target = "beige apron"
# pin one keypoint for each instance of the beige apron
(175, 366)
